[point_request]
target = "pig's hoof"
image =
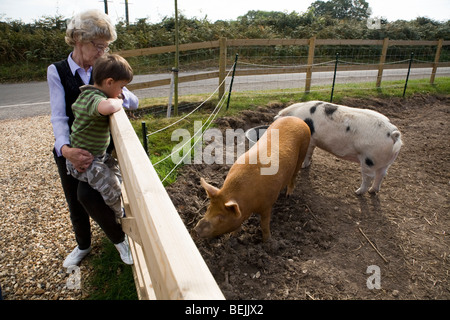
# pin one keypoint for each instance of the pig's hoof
(271, 245)
(360, 191)
(373, 190)
(306, 164)
(266, 238)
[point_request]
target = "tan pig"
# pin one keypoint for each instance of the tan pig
(256, 179)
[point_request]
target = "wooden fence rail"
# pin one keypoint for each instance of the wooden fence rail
(312, 43)
(167, 264)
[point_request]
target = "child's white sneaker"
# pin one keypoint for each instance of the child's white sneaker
(125, 253)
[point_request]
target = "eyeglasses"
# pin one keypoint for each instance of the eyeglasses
(100, 47)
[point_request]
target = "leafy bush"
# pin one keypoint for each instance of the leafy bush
(38, 44)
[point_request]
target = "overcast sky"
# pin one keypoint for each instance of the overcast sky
(155, 10)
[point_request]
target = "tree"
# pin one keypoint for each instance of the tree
(342, 9)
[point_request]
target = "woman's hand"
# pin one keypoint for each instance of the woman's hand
(80, 158)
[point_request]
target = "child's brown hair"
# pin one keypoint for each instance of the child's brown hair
(111, 66)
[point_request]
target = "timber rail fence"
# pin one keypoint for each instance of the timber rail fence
(167, 264)
(308, 68)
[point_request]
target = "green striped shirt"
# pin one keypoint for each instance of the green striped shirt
(90, 130)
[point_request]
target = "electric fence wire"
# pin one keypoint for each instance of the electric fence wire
(213, 115)
(198, 107)
(287, 66)
(323, 63)
(195, 134)
(207, 123)
(421, 61)
(397, 62)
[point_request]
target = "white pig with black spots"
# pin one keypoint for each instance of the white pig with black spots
(359, 135)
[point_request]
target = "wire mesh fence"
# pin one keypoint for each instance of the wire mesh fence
(274, 66)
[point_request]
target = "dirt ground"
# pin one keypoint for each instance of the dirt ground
(320, 235)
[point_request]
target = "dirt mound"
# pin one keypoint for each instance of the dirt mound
(320, 247)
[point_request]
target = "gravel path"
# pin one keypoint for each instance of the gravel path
(35, 229)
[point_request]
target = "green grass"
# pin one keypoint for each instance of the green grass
(112, 279)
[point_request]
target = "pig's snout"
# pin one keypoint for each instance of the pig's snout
(203, 229)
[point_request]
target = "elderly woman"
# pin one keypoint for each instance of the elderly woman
(89, 33)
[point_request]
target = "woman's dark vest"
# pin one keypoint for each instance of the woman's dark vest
(71, 84)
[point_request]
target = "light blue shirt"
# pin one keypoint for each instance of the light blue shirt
(59, 118)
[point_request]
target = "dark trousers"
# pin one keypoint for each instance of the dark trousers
(85, 202)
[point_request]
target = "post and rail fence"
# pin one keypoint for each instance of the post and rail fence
(223, 44)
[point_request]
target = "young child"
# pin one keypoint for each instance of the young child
(90, 130)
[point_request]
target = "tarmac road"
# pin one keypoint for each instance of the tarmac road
(32, 99)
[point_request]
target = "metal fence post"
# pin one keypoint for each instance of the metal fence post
(334, 76)
(144, 137)
(171, 91)
(232, 79)
(407, 75)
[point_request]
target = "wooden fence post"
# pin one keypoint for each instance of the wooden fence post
(436, 60)
(312, 47)
(382, 61)
(222, 65)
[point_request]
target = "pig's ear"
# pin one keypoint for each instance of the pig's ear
(234, 206)
(210, 190)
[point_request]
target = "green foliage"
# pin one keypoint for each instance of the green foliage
(41, 41)
(342, 9)
(32, 47)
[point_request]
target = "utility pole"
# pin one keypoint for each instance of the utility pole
(106, 6)
(177, 55)
(127, 19)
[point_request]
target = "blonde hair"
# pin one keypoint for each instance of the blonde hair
(90, 25)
